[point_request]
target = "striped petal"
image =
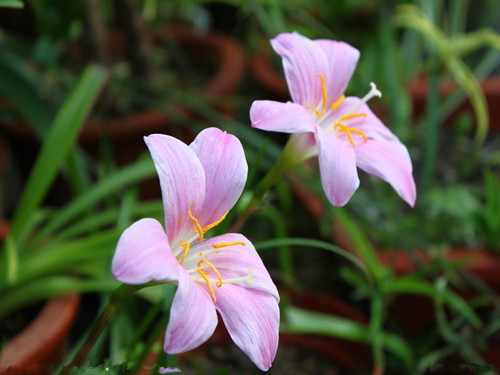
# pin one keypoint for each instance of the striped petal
(225, 167)
(337, 165)
(192, 317)
(252, 319)
(281, 117)
(143, 255)
(182, 182)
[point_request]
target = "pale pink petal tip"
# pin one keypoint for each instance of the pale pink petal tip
(168, 370)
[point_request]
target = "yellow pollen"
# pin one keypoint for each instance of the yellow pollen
(353, 115)
(198, 229)
(186, 247)
(214, 224)
(205, 278)
(348, 130)
(338, 102)
(224, 244)
(219, 276)
(324, 93)
(202, 230)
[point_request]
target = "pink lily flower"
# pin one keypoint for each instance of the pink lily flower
(342, 131)
(200, 183)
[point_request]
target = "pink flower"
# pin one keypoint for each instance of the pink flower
(342, 131)
(200, 183)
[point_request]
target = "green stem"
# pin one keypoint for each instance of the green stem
(114, 304)
(289, 158)
(431, 134)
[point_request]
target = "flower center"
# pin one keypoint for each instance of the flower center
(198, 266)
(338, 125)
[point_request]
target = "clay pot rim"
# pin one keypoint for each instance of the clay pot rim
(225, 81)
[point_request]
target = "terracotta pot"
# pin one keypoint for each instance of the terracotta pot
(126, 132)
(42, 344)
(269, 76)
(418, 90)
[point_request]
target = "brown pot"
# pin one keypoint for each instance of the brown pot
(42, 344)
(126, 132)
(418, 90)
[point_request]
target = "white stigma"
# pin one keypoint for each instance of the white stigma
(373, 92)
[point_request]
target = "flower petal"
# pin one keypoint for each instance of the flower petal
(252, 319)
(369, 123)
(143, 254)
(342, 60)
(391, 162)
(226, 169)
(280, 117)
(192, 317)
(303, 60)
(182, 182)
(337, 165)
(234, 260)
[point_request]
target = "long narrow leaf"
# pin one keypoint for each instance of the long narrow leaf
(61, 137)
(303, 321)
(134, 173)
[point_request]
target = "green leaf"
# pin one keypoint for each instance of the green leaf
(313, 244)
(11, 4)
(59, 140)
(412, 285)
(116, 181)
(303, 321)
(41, 289)
(21, 87)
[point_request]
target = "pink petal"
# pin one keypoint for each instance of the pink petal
(252, 319)
(143, 254)
(342, 60)
(391, 162)
(280, 117)
(192, 317)
(226, 169)
(369, 124)
(182, 182)
(303, 59)
(337, 165)
(235, 261)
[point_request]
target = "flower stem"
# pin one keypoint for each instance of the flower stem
(289, 158)
(114, 304)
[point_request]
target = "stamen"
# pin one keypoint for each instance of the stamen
(224, 244)
(198, 229)
(214, 224)
(324, 93)
(373, 92)
(348, 130)
(348, 117)
(201, 231)
(219, 276)
(338, 102)
(207, 281)
(186, 246)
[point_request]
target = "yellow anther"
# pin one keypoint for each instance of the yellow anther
(338, 102)
(324, 93)
(348, 130)
(224, 244)
(352, 115)
(198, 229)
(202, 230)
(186, 247)
(205, 278)
(214, 224)
(219, 276)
